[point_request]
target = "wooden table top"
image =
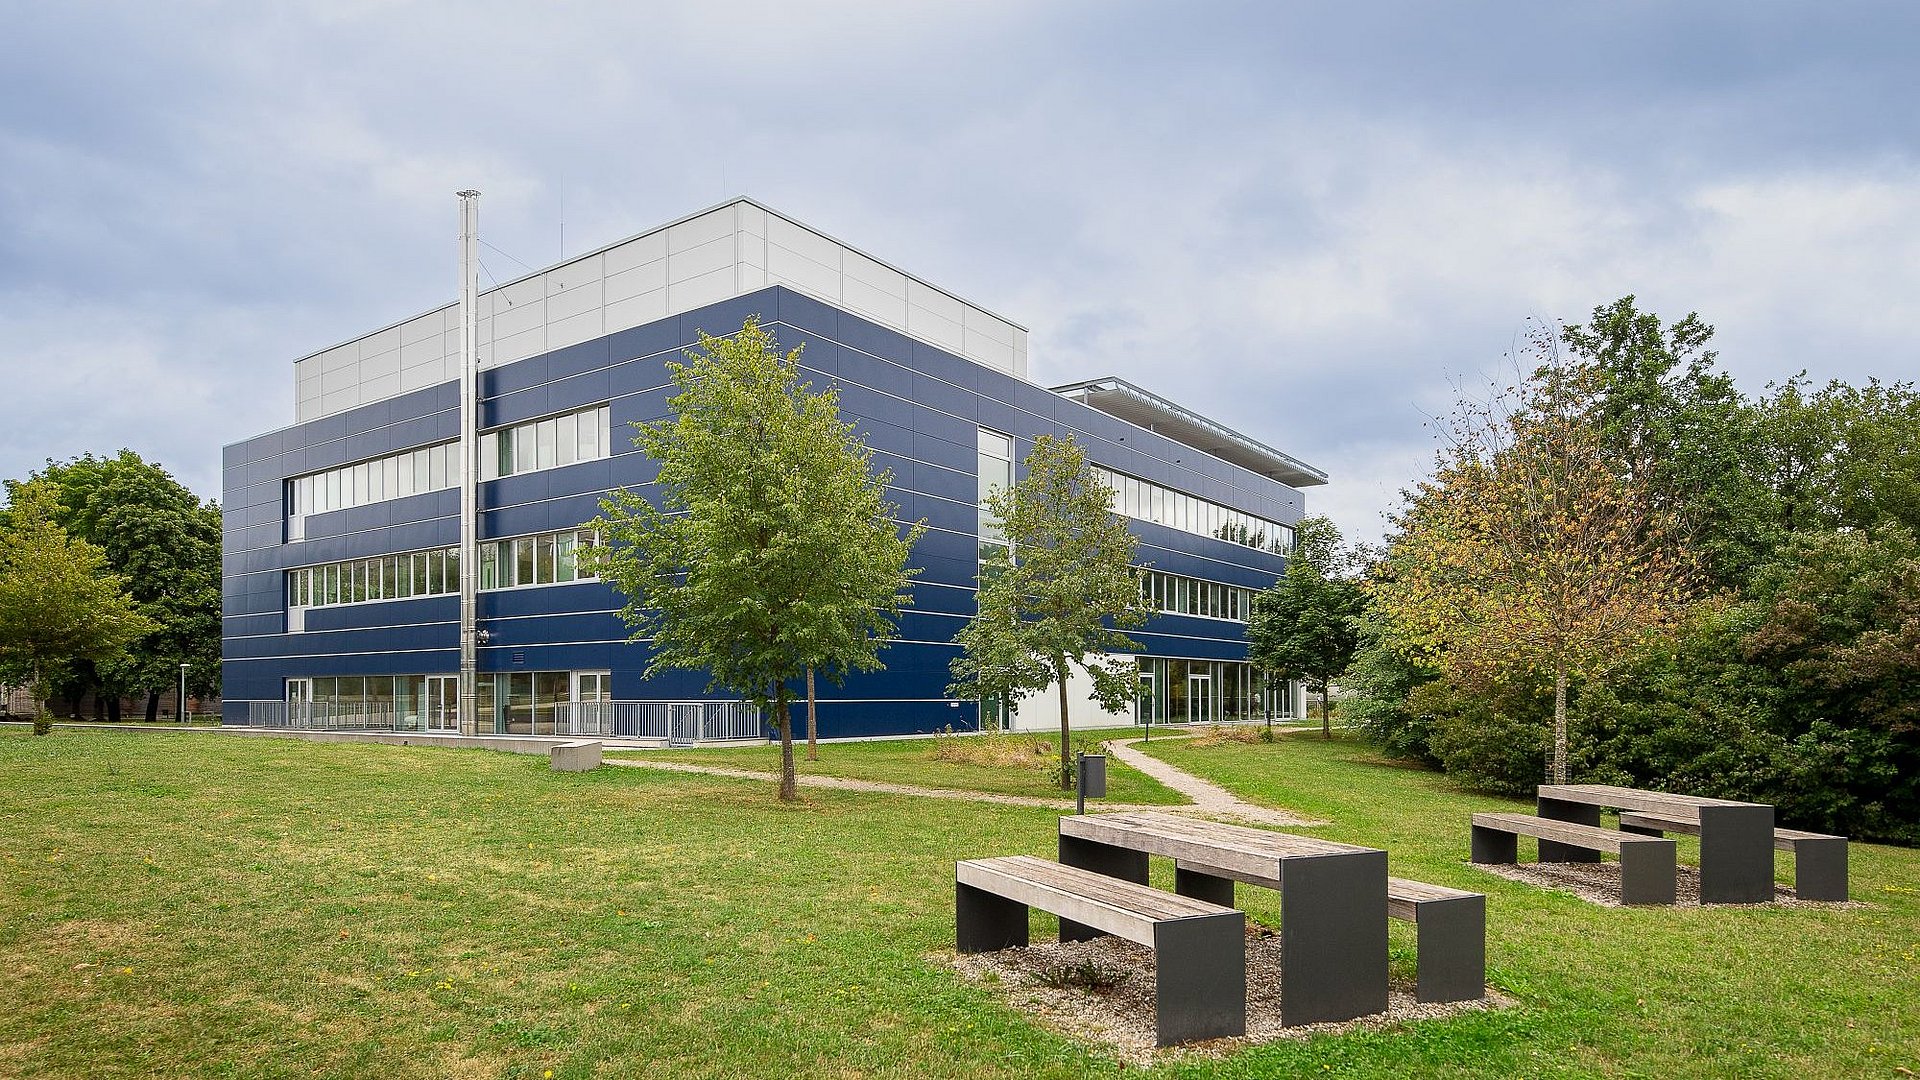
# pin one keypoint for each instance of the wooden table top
(1209, 843)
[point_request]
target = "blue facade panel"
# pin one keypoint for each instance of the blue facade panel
(917, 406)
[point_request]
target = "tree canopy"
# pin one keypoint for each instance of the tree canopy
(1307, 625)
(165, 543)
(1064, 599)
(1538, 547)
(59, 603)
(768, 547)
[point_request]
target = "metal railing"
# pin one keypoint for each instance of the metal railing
(674, 722)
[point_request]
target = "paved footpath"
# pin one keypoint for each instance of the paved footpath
(1209, 799)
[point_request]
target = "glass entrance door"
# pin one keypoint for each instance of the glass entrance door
(443, 703)
(299, 702)
(1199, 698)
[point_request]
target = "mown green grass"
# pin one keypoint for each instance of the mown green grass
(197, 905)
(914, 761)
(1724, 991)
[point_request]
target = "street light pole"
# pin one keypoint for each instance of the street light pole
(180, 706)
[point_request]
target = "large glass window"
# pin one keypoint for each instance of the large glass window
(1191, 596)
(542, 559)
(545, 444)
(1148, 501)
(392, 477)
(995, 474)
(389, 577)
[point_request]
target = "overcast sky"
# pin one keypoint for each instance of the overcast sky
(1305, 220)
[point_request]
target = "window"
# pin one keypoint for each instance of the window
(1147, 501)
(392, 477)
(545, 444)
(995, 473)
(543, 559)
(1179, 595)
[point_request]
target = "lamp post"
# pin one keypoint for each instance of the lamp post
(180, 706)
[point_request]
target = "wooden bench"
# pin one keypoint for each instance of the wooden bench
(1333, 897)
(1819, 860)
(1199, 949)
(1736, 838)
(1646, 862)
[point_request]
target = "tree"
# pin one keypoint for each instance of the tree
(1670, 418)
(1306, 626)
(1067, 592)
(1535, 549)
(165, 543)
(770, 548)
(59, 604)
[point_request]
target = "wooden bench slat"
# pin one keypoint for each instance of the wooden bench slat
(1783, 839)
(1234, 847)
(1565, 832)
(1118, 907)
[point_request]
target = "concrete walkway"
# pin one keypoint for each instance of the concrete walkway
(1209, 798)
(882, 787)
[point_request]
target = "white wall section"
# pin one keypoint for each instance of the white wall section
(722, 252)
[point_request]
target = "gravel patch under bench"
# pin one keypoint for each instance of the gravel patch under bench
(1599, 883)
(1121, 1014)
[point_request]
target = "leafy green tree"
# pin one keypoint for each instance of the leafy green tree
(1534, 550)
(59, 604)
(1844, 456)
(1677, 428)
(1306, 625)
(165, 542)
(1064, 600)
(771, 548)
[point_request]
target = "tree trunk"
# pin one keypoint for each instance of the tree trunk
(813, 724)
(42, 723)
(1066, 760)
(1560, 726)
(113, 709)
(153, 706)
(1326, 718)
(783, 722)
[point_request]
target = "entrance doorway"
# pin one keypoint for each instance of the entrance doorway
(443, 703)
(1199, 698)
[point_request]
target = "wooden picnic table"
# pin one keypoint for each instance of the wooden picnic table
(1736, 838)
(1333, 897)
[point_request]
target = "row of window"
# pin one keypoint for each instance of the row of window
(388, 577)
(546, 559)
(1148, 501)
(1192, 596)
(546, 444)
(508, 703)
(1201, 691)
(429, 468)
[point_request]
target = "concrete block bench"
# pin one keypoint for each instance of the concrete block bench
(1646, 863)
(575, 756)
(1199, 948)
(1450, 928)
(1819, 860)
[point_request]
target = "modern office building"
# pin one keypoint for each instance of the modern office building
(343, 530)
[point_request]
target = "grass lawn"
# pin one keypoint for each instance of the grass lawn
(913, 761)
(196, 905)
(1725, 991)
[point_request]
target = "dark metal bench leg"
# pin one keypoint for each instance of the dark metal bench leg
(1101, 859)
(1646, 872)
(1209, 887)
(1561, 810)
(1736, 854)
(986, 922)
(1820, 869)
(1452, 938)
(1333, 937)
(1200, 978)
(1494, 846)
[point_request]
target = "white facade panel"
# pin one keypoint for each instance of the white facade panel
(643, 278)
(701, 261)
(701, 291)
(1041, 711)
(708, 257)
(636, 310)
(786, 264)
(696, 231)
(635, 252)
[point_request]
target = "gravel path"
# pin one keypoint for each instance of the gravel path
(1208, 797)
